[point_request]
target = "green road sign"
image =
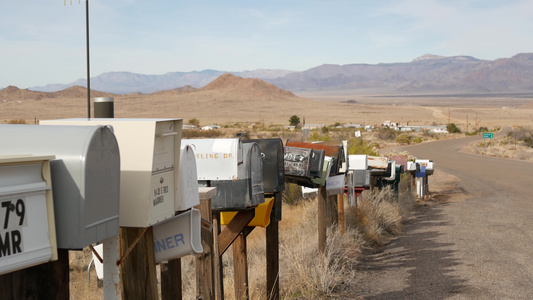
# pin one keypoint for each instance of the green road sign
(488, 135)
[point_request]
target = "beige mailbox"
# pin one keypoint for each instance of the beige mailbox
(149, 164)
(85, 177)
(27, 226)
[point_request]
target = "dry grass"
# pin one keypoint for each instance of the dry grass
(505, 147)
(305, 273)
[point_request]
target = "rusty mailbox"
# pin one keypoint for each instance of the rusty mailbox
(234, 168)
(302, 165)
(85, 177)
(149, 166)
(335, 152)
(273, 170)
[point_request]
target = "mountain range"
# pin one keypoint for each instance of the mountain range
(426, 74)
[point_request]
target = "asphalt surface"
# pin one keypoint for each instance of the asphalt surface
(478, 248)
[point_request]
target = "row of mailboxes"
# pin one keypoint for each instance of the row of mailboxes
(27, 230)
(234, 168)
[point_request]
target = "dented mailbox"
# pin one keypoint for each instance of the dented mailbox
(234, 168)
(302, 165)
(273, 163)
(85, 177)
(150, 155)
(27, 233)
(335, 152)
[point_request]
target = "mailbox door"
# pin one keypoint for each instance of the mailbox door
(248, 190)
(296, 161)
(187, 191)
(27, 233)
(273, 163)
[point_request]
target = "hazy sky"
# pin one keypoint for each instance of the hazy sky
(43, 41)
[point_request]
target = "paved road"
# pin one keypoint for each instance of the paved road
(479, 248)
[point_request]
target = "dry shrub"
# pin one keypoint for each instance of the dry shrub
(380, 213)
(17, 121)
(306, 273)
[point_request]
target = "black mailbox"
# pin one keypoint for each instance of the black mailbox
(273, 163)
(335, 152)
(301, 165)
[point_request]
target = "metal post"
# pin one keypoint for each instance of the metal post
(104, 107)
(88, 65)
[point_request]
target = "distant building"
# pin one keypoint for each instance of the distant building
(210, 127)
(312, 126)
(188, 126)
(289, 127)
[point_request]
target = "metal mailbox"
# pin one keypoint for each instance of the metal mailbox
(361, 178)
(187, 190)
(234, 168)
(426, 163)
(273, 163)
(150, 155)
(328, 162)
(358, 162)
(27, 233)
(301, 165)
(413, 166)
(85, 177)
(335, 152)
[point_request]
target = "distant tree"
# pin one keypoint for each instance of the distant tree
(194, 122)
(452, 128)
(294, 120)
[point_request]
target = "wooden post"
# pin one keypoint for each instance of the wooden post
(333, 215)
(137, 271)
(171, 287)
(340, 208)
(272, 255)
(240, 267)
(322, 216)
(217, 258)
(205, 277)
(46, 281)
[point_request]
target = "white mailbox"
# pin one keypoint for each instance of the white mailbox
(85, 177)
(361, 178)
(413, 166)
(149, 164)
(358, 161)
(428, 164)
(27, 226)
(234, 168)
(187, 190)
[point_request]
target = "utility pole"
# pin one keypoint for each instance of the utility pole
(466, 123)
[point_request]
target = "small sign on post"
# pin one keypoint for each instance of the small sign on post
(487, 135)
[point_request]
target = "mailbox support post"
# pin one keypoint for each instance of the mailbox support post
(340, 208)
(45, 281)
(272, 253)
(171, 280)
(111, 270)
(322, 215)
(138, 269)
(217, 258)
(205, 269)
